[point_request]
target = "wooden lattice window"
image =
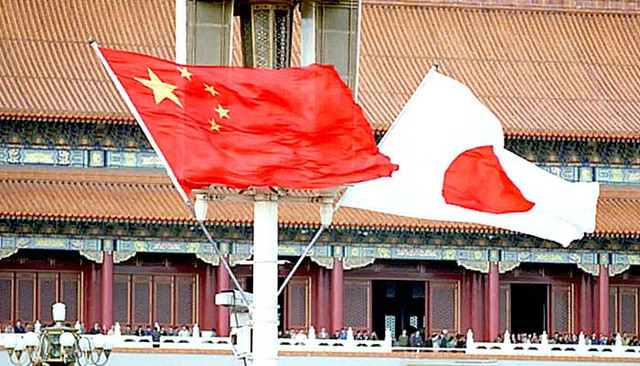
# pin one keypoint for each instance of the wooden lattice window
(70, 294)
(145, 299)
(121, 299)
(297, 306)
(444, 306)
(628, 310)
(141, 300)
(163, 286)
(26, 296)
(6, 298)
(357, 304)
(623, 309)
(562, 308)
(29, 295)
(47, 296)
(186, 299)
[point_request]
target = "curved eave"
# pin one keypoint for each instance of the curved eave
(444, 228)
(573, 7)
(569, 136)
(114, 118)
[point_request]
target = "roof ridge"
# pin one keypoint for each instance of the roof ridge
(478, 5)
(70, 117)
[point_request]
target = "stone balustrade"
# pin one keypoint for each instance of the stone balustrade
(376, 346)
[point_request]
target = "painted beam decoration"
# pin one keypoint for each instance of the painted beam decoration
(353, 255)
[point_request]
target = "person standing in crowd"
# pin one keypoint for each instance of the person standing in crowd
(155, 334)
(95, 329)
(443, 342)
(403, 339)
(374, 336)
(323, 333)
(343, 334)
(301, 337)
(416, 339)
(18, 328)
(184, 331)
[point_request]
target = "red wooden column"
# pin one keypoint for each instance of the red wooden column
(321, 316)
(493, 302)
(337, 295)
(466, 303)
(92, 303)
(585, 305)
(106, 290)
(208, 319)
(223, 312)
(477, 305)
(603, 299)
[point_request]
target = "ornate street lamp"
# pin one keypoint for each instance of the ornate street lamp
(58, 345)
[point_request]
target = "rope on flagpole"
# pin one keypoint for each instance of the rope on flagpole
(299, 262)
(308, 248)
(224, 262)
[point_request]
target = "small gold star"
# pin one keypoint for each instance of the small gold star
(214, 125)
(222, 113)
(185, 73)
(161, 90)
(210, 89)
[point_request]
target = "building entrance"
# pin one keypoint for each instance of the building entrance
(398, 305)
(528, 308)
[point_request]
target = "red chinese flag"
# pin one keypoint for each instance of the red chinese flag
(293, 128)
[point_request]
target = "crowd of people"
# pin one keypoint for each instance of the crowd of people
(417, 338)
(572, 338)
(343, 334)
(155, 331)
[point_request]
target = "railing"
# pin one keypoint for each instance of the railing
(544, 348)
(539, 349)
(368, 346)
(224, 343)
(333, 345)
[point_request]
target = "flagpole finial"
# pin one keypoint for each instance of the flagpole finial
(436, 64)
(91, 40)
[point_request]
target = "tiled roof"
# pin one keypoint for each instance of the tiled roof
(47, 67)
(546, 68)
(541, 72)
(599, 6)
(124, 194)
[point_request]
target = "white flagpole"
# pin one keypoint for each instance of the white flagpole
(265, 280)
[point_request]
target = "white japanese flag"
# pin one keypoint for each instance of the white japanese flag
(453, 167)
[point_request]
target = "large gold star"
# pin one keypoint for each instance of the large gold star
(185, 73)
(222, 113)
(161, 90)
(211, 89)
(214, 125)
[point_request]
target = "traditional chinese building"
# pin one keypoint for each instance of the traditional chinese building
(89, 217)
